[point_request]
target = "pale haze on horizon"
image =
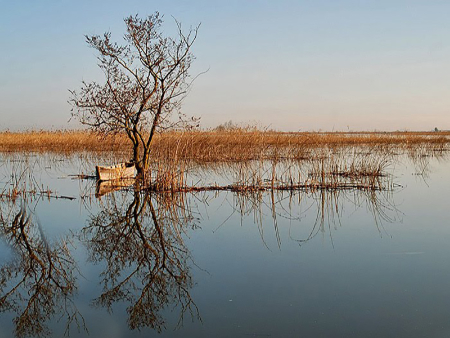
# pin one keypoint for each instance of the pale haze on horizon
(287, 65)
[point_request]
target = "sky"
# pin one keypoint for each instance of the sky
(305, 65)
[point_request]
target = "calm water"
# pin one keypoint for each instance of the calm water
(344, 264)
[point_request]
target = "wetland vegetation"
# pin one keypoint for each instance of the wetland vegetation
(224, 234)
(254, 159)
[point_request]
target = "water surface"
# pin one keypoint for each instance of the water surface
(322, 264)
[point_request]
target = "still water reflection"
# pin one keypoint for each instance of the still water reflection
(39, 279)
(146, 263)
(317, 264)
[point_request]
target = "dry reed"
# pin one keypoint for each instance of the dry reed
(223, 146)
(257, 160)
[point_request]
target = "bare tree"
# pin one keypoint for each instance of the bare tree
(147, 78)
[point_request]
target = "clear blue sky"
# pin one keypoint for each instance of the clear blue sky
(290, 65)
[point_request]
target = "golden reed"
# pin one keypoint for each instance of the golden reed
(222, 146)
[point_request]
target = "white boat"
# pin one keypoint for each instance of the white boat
(116, 172)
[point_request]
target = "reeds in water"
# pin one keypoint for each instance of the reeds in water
(254, 159)
(222, 146)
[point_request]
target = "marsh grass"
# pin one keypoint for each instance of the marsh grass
(248, 145)
(59, 142)
(364, 171)
(253, 159)
(19, 181)
(218, 146)
(20, 177)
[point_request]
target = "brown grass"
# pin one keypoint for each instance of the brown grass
(59, 142)
(255, 160)
(240, 145)
(224, 146)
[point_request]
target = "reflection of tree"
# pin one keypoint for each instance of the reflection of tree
(146, 259)
(39, 282)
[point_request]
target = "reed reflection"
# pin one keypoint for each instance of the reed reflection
(139, 236)
(423, 159)
(39, 282)
(310, 213)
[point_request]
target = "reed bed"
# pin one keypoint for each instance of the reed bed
(20, 182)
(362, 171)
(223, 146)
(62, 141)
(253, 160)
(244, 145)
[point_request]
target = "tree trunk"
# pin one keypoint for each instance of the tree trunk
(136, 159)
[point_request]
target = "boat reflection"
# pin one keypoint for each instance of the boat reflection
(106, 187)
